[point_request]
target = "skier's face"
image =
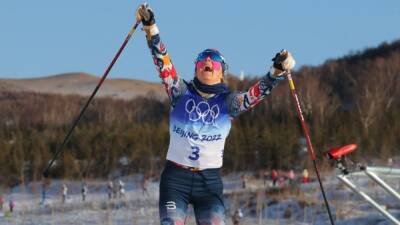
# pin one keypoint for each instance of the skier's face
(209, 72)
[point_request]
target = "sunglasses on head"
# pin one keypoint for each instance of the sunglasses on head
(214, 56)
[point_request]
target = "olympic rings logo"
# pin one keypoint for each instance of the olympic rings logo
(202, 111)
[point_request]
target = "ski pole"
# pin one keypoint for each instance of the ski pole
(60, 148)
(310, 147)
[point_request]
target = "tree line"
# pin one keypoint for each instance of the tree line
(354, 99)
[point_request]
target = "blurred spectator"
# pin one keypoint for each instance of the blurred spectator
(305, 176)
(84, 191)
(265, 177)
(121, 189)
(110, 189)
(45, 185)
(11, 204)
(291, 177)
(64, 191)
(43, 194)
(237, 216)
(1, 202)
(243, 179)
(274, 177)
(145, 184)
(115, 189)
(390, 162)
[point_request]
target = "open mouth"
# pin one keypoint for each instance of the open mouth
(208, 69)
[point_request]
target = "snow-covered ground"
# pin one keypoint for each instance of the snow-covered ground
(300, 204)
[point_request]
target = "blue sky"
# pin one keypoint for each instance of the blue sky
(46, 37)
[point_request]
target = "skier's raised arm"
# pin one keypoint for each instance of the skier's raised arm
(241, 102)
(173, 84)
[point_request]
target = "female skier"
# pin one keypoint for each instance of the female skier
(200, 120)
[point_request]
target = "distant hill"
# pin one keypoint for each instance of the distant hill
(83, 84)
(352, 99)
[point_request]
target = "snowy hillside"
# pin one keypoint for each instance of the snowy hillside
(260, 203)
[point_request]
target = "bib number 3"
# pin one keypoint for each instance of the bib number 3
(195, 153)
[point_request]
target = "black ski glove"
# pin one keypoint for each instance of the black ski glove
(145, 14)
(283, 61)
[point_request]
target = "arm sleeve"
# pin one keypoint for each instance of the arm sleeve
(242, 101)
(173, 84)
